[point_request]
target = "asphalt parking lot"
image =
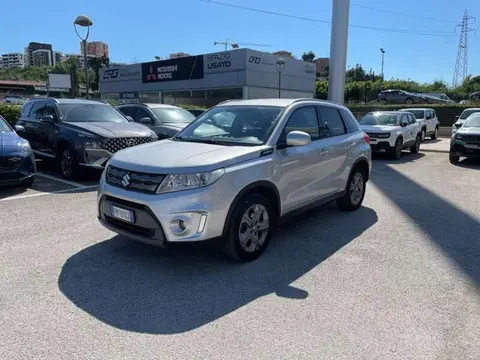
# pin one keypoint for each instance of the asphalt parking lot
(398, 279)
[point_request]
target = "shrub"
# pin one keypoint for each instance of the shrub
(10, 112)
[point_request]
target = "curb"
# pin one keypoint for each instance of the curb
(434, 150)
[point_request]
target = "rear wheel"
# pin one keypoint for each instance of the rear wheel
(250, 229)
(355, 191)
(416, 148)
(454, 159)
(424, 134)
(435, 134)
(408, 101)
(68, 163)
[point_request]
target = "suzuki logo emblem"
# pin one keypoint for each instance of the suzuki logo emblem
(126, 180)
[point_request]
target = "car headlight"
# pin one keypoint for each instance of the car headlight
(179, 182)
(94, 144)
(23, 146)
(153, 136)
(459, 137)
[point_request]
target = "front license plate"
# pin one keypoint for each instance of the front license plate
(122, 214)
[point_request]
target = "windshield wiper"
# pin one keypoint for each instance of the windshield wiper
(199, 140)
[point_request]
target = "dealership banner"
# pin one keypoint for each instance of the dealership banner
(185, 68)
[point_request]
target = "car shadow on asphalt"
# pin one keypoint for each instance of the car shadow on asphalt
(469, 163)
(143, 289)
(407, 157)
(453, 230)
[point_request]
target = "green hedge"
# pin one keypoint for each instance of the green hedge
(446, 113)
(10, 112)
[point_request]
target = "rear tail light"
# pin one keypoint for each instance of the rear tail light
(366, 137)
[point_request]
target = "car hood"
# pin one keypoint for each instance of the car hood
(469, 130)
(174, 157)
(377, 128)
(111, 129)
(169, 128)
(9, 143)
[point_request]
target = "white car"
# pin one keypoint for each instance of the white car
(462, 118)
(392, 131)
(428, 121)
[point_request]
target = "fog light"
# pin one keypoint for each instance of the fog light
(181, 225)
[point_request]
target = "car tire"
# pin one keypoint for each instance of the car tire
(28, 183)
(454, 159)
(435, 134)
(68, 163)
(396, 152)
(354, 192)
(416, 148)
(252, 213)
(408, 101)
(423, 135)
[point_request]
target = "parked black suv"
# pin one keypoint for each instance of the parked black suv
(165, 120)
(77, 132)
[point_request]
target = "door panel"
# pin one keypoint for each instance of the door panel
(32, 125)
(48, 132)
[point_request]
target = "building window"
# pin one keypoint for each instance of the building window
(153, 97)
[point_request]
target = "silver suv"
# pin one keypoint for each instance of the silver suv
(235, 172)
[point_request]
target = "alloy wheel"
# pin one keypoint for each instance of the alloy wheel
(66, 163)
(357, 187)
(254, 227)
(398, 149)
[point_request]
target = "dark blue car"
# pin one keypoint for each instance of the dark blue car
(17, 162)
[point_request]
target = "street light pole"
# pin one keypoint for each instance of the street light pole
(382, 50)
(84, 21)
(280, 67)
(338, 50)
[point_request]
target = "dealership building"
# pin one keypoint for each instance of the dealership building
(209, 79)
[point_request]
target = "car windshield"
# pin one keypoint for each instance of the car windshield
(378, 119)
(4, 127)
(169, 115)
(419, 114)
(90, 113)
(472, 121)
(233, 125)
(467, 113)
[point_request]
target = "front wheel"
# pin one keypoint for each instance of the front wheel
(454, 159)
(355, 191)
(68, 164)
(397, 150)
(409, 101)
(250, 229)
(416, 148)
(424, 134)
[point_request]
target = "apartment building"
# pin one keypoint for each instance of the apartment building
(79, 57)
(95, 48)
(12, 60)
(39, 54)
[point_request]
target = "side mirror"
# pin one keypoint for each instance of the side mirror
(47, 119)
(456, 117)
(19, 128)
(404, 123)
(129, 118)
(298, 138)
(146, 120)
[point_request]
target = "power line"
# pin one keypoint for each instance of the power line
(268, 12)
(404, 14)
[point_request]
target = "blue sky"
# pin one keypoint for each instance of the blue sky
(140, 30)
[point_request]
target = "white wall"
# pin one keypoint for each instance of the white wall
(264, 93)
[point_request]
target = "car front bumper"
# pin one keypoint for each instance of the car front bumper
(465, 150)
(380, 145)
(156, 217)
(17, 172)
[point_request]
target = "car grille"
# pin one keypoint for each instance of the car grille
(9, 163)
(378, 135)
(133, 180)
(116, 144)
(471, 138)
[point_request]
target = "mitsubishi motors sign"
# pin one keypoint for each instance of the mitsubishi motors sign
(185, 68)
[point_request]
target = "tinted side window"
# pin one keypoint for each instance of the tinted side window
(434, 114)
(26, 109)
(411, 119)
(49, 109)
(128, 111)
(141, 113)
(37, 110)
(332, 123)
(349, 120)
(303, 119)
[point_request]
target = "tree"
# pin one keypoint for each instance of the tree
(96, 64)
(310, 56)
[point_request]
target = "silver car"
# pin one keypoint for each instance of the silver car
(235, 173)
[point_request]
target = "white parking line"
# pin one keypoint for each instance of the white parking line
(48, 193)
(50, 177)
